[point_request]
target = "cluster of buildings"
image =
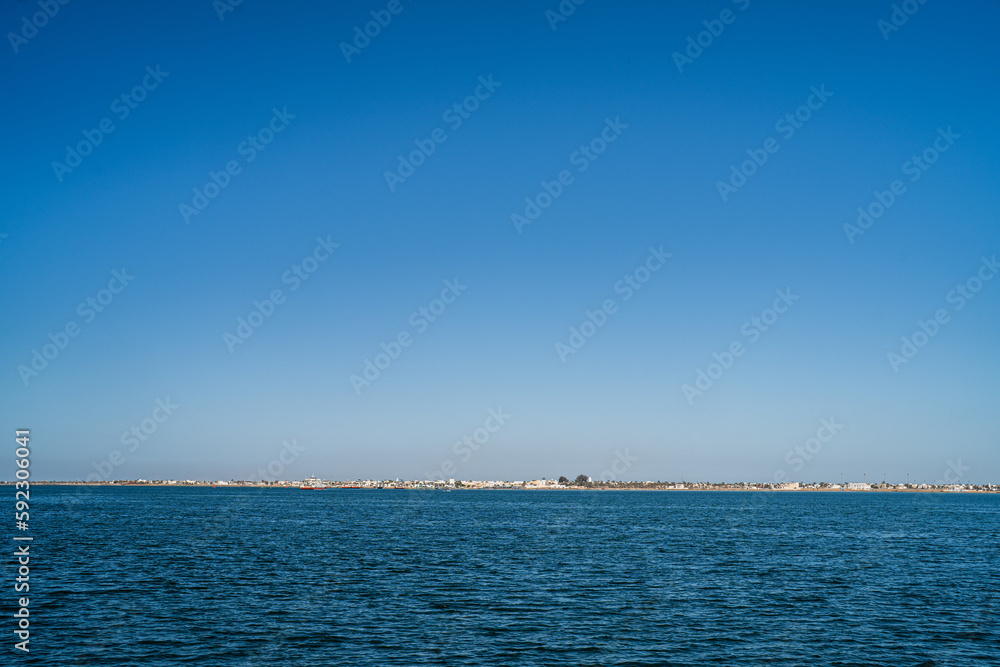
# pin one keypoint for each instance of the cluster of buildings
(563, 483)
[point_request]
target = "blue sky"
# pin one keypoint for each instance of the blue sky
(553, 91)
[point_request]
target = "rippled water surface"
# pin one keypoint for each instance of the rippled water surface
(168, 576)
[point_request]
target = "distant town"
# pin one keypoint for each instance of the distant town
(581, 482)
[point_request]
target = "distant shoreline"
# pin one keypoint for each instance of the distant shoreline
(334, 487)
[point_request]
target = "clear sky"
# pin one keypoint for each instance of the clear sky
(637, 147)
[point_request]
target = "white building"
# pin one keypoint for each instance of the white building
(858, 486)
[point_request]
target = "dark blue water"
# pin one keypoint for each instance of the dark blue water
(151, 576)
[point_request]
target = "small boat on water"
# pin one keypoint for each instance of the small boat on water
(313, 484)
